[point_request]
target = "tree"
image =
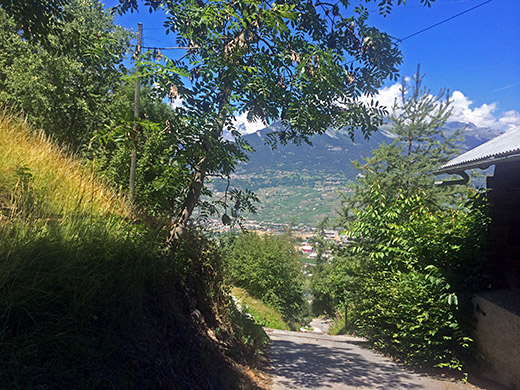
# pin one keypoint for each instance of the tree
(304, 63)
(269, 269)
(36, 18)
(419, 146)
(161, 164)
(65, 85)
(403, 167)
(411, 270)
(412, 258)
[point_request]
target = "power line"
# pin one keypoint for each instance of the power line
(152, 39)
(397, 39)
(436, 5)
(443, 21)
(169, 48)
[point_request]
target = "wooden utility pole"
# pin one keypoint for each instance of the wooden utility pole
(133, 161)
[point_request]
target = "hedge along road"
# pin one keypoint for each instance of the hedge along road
(318, 361)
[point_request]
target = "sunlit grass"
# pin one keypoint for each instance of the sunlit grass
(87, 293)
(72, 259)
(262, 314)
(63, 184)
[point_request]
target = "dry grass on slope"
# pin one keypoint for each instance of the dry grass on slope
(62, 183)
(88, 299)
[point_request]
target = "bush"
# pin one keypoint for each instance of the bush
(412, 270)
(268, 268)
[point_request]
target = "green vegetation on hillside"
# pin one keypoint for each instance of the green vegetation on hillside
(87, 297)
(292, 204)
(260, 312)
(268, 268)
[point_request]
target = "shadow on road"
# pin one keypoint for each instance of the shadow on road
(309, 365)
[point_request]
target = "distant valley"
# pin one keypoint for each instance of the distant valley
(301, 185)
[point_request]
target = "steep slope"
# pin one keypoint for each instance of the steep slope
(88, 299)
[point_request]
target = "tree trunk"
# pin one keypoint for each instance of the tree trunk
(191, 200)
(197, 184)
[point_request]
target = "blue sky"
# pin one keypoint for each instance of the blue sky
(476, 55)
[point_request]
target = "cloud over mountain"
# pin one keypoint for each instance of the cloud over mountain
(486, 115)
(463, 110)
(245, 126)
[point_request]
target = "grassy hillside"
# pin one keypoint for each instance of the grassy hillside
(261, 313)
(29, 161)
(88, 300)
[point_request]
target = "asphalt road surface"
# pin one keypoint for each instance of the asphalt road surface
(318, 361)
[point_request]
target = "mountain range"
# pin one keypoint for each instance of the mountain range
(302, 184)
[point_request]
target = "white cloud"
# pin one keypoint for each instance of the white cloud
(482, 116)
(386, 96)
(486, 115)
(244, 126)
(176, 103)
(510, 119)
(463, 109)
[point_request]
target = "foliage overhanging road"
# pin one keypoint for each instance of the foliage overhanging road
(317, 361)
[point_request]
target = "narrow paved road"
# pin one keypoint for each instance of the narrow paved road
(318, 361)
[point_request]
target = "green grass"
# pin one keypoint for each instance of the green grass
(337, 326)
(306, 260)
(87, 298)
(262, 314)
(72, 259)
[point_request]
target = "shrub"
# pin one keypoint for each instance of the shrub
(412, 271)
(268, 268)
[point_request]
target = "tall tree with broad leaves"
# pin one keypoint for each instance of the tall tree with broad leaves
(306, 63)
(36, 19)
(65, 82)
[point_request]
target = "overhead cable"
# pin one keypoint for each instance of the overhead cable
(397, 39)
(443, 21)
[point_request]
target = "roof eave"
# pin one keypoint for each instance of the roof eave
(480, 164)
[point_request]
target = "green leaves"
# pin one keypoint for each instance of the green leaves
(269, 269)
(418, 148)
(37, 18)
(299, 62)
(411, 268)
(65, 84)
